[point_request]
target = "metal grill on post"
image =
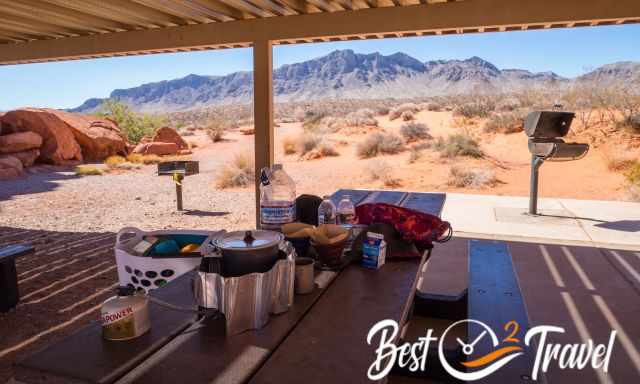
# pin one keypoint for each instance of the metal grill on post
(545, 129)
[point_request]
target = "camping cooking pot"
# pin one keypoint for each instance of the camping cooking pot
(245, 252)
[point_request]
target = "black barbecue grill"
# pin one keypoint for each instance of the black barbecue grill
(545, 129)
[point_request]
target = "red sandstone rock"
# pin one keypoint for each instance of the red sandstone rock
(159, 149)
(170, 135)
(21, 141)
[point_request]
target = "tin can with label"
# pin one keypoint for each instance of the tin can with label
(125, 316)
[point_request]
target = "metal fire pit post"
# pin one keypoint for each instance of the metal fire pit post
(178, 170)
(177, 178)
(536, 162)
(545, 129)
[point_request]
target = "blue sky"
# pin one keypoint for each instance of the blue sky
(568, 52)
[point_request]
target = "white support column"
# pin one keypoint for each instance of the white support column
(262, 111)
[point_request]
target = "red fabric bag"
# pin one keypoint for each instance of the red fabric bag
(421, 228)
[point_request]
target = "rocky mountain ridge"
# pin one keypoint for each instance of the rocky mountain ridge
(345, 74)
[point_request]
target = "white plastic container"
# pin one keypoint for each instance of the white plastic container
(277, 198)
(145, 262)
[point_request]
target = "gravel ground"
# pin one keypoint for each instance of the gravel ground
(61, 201)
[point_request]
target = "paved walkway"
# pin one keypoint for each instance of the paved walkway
(564, 221)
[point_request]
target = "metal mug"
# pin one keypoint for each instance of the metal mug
(304, 280)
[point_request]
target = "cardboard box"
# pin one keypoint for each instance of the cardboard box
(374, 251)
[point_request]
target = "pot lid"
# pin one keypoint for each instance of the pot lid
(249, 240)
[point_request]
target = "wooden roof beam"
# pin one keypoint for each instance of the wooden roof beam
(436, 17)
(121, 11)
(300, 6)
(275, 7)
(245, 6)
(16, 24)
(219, 8)
(67, 18)
(325, 6)
(179, 9)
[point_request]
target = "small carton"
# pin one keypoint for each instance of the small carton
(374, 251)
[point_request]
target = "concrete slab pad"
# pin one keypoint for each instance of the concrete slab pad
(545, 217)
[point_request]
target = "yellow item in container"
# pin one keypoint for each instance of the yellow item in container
(189, 248)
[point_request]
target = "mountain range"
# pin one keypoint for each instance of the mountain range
(345, 74)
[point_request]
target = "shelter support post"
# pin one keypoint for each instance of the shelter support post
(262, 111)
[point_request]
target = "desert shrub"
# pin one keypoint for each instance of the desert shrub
(433, 106)
(414, 132)
(459, 145)
(379, 143)
(633, 122)
(382, 111)
(289, 145)
(407, 116)
(238, 172)
(508, 104)
(480, 108)
(312, 120)
(471, 178)
(306, 143)
(87, 170)
(508, 122)
(114, 161)
(381, 170)
(215, 130)
(325, 148)
(399, 110)
(416, 151)
(619, 159)
(134, 126)
(134, 158)
(361, 118)
(633, 174)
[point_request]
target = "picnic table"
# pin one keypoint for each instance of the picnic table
(322, 338)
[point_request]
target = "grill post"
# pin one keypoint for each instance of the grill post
(536, 162)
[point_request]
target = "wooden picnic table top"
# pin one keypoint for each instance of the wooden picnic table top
(322, 336)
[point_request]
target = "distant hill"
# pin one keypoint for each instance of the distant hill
(346, 74)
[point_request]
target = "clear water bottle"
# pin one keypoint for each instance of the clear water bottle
(326, 212)
(346, 211)
(277, 198)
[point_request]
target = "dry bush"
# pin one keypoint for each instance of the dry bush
(414, 132)
(633, 123)
(361, 118)
(87, 170)
(399, 110)
(325, 149)
(238, 172)
(509, 122)
(382, 111)
(134, 158)
(459, 145)
(289, 145)
(380, 143)
(381, 170)
(417, 150)
(633, 181)
(215, 130)
(508, 104)
(471, 178)
(479, 108)
(306, 143)
(407, 116)
(114, 161)
(151, 159)
(433, 106)
(619, 159)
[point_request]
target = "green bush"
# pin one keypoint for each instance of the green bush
(474, 109)
(134, 126)
(459, 145)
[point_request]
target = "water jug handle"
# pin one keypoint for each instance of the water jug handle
(138, 234)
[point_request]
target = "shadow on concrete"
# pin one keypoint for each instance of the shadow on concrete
(621, 225)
